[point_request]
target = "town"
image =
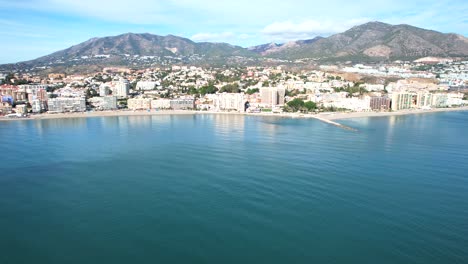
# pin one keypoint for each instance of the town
(423, 84)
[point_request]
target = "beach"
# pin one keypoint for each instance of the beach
(327, 116)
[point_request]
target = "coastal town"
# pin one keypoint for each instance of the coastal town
(424, 84)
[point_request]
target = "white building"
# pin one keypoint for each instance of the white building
(354, 103)
(103, 90)
(103, 103)
(63, 104)
(38, 106)
(161, 104)
(147, 85)
(139, 104)
(228, 101)
(272, 97)
(120, 88)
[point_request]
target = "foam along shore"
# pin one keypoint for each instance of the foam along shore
(341, 115)
(324, 117)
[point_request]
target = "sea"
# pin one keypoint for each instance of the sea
(214, 188)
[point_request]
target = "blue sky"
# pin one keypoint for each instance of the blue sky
(33, 28)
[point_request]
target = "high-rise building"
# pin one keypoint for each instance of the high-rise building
(272, 96)
(120, 88)
(380, 103)
(402, 101)
(424, 99)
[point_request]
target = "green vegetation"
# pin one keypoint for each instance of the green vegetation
(208, 89)
(309, 105)
(352, 90)
(299, 105)
(296, 104)
(230, 88)
(252, 91)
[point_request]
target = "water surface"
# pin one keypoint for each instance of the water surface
(234, 189)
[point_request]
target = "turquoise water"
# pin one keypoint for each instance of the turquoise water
(234, 189)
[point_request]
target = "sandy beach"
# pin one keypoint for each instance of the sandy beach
(338, 116)
(330, 116)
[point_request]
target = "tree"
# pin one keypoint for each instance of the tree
(266, 84)
(192, 90)
(252, 91)
(296, 104)
(230, 88)
(208, 89)
(310, 106)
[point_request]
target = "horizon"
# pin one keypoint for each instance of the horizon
(53, 25)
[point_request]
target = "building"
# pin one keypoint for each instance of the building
(5, 108)
(380, 103)
(37, 94)
(21, 109)
(120, 88)
(103, 103)
(440, 100)
(65, 104)
(229, 102)
(146, 85)
(38, 106)
(424, 100)
(104, 90)
(161, 104)
(272, 96)
(353, 103)
(402, 101)
(182, 104)
(139, 104)
(17, 93)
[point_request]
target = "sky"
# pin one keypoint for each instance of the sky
(34, 28)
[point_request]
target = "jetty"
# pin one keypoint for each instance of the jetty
(334, 123)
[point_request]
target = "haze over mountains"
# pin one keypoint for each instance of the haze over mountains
(370, 41)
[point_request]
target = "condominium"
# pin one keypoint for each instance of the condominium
(174, 104)
(139, 103)
(229, 101)
(402, 101)
(103, 103)
(64, 104)
(380, 103)
(272, 96)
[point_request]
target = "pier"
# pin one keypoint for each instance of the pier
(334, 123)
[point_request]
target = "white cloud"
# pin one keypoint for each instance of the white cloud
(212, 36)
(289, 30)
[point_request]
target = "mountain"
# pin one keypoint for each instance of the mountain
(139, 50)
(380, 41)
(270, 48)
(367, 42)
(146, 45)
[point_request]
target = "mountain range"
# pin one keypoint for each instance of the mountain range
(370, 41)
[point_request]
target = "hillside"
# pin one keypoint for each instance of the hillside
(381, 41)
(370, 41)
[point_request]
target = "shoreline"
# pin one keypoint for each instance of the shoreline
(324, 117)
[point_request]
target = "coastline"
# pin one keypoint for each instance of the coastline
(340, 116)
(325, 117)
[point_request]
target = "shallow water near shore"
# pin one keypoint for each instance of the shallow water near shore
(234, 189)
